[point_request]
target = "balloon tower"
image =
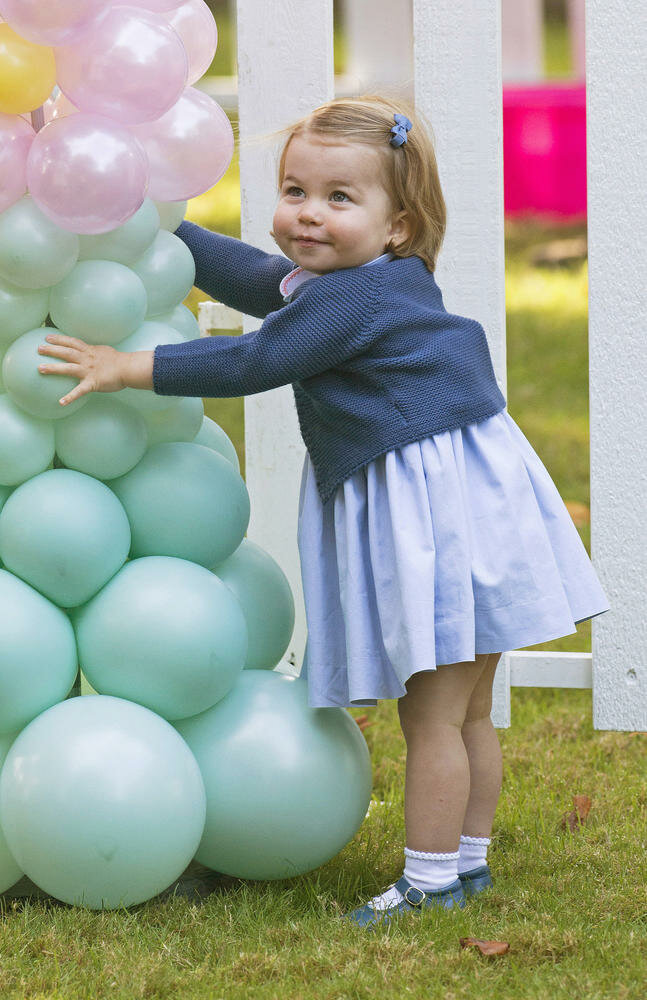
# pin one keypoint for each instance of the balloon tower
(123, 516)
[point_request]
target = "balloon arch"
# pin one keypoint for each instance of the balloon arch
(123, 516)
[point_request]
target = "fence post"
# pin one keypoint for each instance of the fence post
(285, 69)
(616, 85)
(458, 86)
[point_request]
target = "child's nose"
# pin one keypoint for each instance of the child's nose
(310, 211)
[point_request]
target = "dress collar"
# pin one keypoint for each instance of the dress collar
(298, 275)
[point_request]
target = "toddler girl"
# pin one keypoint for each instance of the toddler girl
(431, 536)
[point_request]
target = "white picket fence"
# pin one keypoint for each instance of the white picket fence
(285, 59)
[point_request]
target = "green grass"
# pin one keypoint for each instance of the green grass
(571, 905)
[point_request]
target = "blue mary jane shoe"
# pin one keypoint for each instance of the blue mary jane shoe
(414, 901)
(476, 880)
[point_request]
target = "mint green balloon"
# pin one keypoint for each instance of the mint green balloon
(184, 500)
(171, 213)
(182, 320)
(99, 301)
(102, 802)
(21, 309)
(26, 443)
(264, 594)
(168, 272)
(287, 785)
(146, 338)
(127, 242)
(64, 533)
(211, 435)
(107, 439)
(164, 633)
(181, 422)
(37, 654)
(34, 251)
(9, 870)
(30, 389)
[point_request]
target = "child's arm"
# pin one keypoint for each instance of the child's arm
(234, 272)
(331, 321)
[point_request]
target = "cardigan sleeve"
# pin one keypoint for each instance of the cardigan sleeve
(234, 272)
(331, 320)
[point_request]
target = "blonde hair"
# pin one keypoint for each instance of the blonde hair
(410, 171)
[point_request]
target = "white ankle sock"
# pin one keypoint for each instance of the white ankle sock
(430, 871)
(425, 871)
(472, 852)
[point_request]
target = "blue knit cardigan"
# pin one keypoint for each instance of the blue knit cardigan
(374, 358)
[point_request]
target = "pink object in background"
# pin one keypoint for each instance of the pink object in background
(544, 151)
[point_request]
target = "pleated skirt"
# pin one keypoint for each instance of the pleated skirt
(452, 546)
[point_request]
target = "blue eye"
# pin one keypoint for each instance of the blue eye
(342, 194)
(294, 191)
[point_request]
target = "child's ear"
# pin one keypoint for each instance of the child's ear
(400, 229)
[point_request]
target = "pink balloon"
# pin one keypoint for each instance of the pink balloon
(130, 65)
(50, 22)
(88, 174)
(195, 25)
(188, 149)
(16, 137)
(157, 5)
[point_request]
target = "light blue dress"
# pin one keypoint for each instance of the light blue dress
(451, 546)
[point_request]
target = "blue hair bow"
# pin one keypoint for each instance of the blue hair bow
(399, 130)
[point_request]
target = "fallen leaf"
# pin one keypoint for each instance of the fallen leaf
(577, 816)
(485, 947)
(363, 722)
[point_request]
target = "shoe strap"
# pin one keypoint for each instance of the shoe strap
(411, 893)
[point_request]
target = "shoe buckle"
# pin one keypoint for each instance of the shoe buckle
(418, 900)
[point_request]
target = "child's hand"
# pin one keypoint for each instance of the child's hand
(98, 367)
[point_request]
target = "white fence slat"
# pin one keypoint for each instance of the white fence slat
(550, 669)
(458, 87)
(285, 69)
(616, 98)
(522, 40)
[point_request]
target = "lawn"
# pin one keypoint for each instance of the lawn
(571, 905)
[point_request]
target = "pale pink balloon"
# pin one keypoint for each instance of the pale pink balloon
(88, 174)
(196, 26)
(16, 137)
(129, 65)
(188, 149)
(50, 22)
(161, 6)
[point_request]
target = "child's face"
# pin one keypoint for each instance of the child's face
(333, 210)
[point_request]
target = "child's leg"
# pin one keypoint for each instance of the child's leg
(484, 755)
(437, 786)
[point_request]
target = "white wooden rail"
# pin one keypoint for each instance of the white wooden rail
(285, 58)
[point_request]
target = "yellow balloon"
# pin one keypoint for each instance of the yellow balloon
(27, 73)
